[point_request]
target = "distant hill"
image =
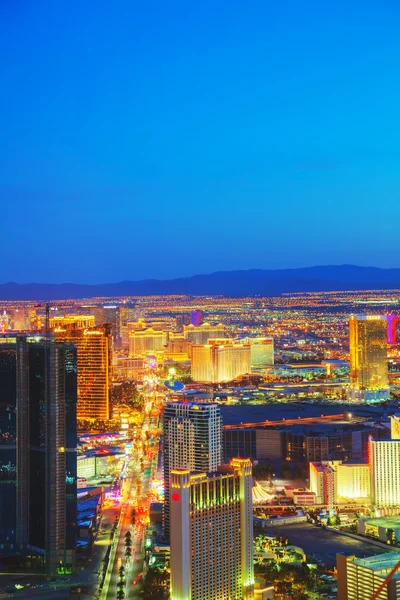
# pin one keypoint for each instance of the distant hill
(227, 283)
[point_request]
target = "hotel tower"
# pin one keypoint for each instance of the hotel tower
(212, 533)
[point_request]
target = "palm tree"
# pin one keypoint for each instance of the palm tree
(128, 537)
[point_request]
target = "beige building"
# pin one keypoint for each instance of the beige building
(216, 363)
(146, 340)
(200, 334)
(212, 533)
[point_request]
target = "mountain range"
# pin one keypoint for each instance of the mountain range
(228, 283)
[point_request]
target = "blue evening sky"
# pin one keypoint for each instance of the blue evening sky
(166, 138)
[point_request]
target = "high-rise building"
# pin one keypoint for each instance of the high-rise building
(359, 578)
(20, 319)
(334, 482)
(8, 437)
(94, 352)
(181, 320)
(262, 352)
(147, 340)
(212, 533)
(384, 462)
(200, 334)
(369, 379)
(197, 317)
(192, 440)
(217, 362)
(40, 381)
(127, 314)
(106, 315)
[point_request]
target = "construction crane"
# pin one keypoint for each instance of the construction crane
(384, 583)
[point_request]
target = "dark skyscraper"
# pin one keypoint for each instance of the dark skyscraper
(44, 396)
(8, 436)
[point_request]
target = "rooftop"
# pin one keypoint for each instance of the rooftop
(383, 563)
(388, 522)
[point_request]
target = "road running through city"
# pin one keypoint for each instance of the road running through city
(136, 493)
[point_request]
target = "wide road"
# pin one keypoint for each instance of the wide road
(136, 492)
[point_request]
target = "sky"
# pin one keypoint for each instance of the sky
(159, 139)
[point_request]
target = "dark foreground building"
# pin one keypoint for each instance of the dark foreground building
(43, 433)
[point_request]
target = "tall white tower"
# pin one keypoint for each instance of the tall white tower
(192, 440)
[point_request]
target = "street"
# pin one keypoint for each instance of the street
(136, 493)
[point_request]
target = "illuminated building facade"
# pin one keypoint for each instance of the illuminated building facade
(359, 578)
(384, 460)
(45, 395)
(145, 341)
(197, 317)
(200, 334)
(192, 440)
(262, 352)
(77, 321)
(353, 483)
(395, 427)
(334, 482)
(215, 363)
(20, 319)
(94, 352)
(202, 363)
(369, 380)
(212, 533)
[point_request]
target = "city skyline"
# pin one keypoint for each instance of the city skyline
(124, 131)
(199, 300)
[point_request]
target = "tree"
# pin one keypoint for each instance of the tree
(121, 571)
(128, 538)
(120, 595)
